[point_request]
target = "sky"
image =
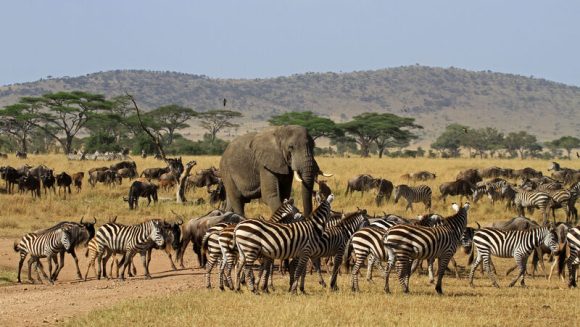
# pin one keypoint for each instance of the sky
(256, 39)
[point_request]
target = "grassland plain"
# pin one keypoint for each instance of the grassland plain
(541, 303)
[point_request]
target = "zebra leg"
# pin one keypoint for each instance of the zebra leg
(455, 268)
(20, 263)
(128, 257)
(208, 268)
(221, 265)
(371, 261)
(572, 268)
(59, 265)
(521, 260)
(443, 263)
(30, 262)
(298, 274)
(316, 263)
(145, 257)
(430, 269)
(336, 269)
(473, 268)
(266, 269)
(390, 264)
(41, 267)
(271, 275)
(354, 272)
(487, 266)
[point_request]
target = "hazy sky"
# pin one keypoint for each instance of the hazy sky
(249, 39)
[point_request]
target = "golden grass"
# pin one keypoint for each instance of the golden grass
(541, 303)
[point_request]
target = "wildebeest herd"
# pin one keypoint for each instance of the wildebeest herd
(227, 240)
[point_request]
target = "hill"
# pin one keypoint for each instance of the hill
(436, 97)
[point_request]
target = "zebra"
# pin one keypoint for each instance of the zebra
(529, 199)
(115, 238)
(562, 199)
(413, 194)
(573, 238)
(81, 233)
(333, 242)
(405, 243)
(279, 241)
(510, 244)
(225, 257)
(46, 245)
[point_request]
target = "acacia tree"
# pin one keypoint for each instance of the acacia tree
(381, 129)
(521, 142)
(216, 120)
(17, 120)
(450, 140)
(567, 143)
(317, 126)
(171, 118)
(65, 113)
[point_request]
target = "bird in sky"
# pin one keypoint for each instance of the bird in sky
(225, 101)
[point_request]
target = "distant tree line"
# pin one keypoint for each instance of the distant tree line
(69, 121)
(489, 142)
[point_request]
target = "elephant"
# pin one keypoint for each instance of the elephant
(261, 165)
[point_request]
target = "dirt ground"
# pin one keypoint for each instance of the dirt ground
(43, 304)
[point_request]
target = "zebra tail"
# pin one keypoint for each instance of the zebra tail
(16, 248)
(347, 254)
(562, 256)
(471, 257)
(204, 241)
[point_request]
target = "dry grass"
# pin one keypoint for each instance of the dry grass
(542, 303)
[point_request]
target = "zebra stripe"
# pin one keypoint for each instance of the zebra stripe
(573, 238)
(333, 242)
(414, 194)
(115, 238)
(405, 243)
(256, 238)
(509, 244)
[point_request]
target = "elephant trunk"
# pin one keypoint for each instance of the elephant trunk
(307, 174)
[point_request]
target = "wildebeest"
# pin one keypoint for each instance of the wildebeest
(469, 175)
(141, 189)
(48, 181)
(11, 176)
(361, 183)
(385, 189)
(78, 180)
(218, 196)
(97, 169)
(527, 173)
(3, 155)
(154, 173)
(204, 178)
(124, 164)
(422, 175)
(21, 155)
(323, 191)
(195, 229)
(129, 173)
(167, 180)
(490, 172)
(459, 187)
(29, 183)
(63, 180)
(107, 177)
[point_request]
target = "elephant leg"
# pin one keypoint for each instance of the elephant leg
(270, 188)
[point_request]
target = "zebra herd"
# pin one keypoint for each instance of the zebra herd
(389, 242)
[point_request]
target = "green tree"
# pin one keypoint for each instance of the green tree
(215, 120)
(17, 120)
(66, 113)
(567, 143)
(171, 118)
(451, 140)
(483, 140)
(317, 126)
(380, 129)
(521, 142)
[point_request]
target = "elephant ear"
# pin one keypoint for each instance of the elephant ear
(268, 153)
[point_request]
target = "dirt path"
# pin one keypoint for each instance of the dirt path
(36, 305)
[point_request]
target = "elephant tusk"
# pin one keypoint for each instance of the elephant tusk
(325, 175)
(297, 177)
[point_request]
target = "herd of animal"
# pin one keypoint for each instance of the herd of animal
(34, 179)
(227, 240)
